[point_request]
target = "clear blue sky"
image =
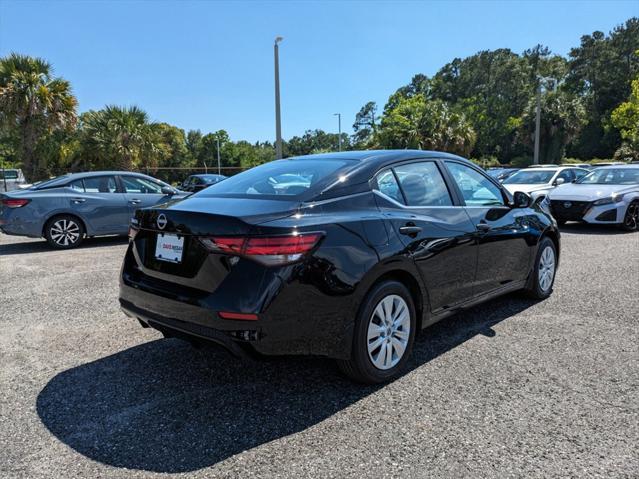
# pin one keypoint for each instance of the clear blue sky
(209, 65)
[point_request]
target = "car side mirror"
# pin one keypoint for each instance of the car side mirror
(559, 181)
(521, 199)
(167, 190)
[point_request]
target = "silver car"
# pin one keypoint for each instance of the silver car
(66, 209)
(11, 179)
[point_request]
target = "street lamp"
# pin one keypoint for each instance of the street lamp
(538, 114)
(339, 129)
(278, 121)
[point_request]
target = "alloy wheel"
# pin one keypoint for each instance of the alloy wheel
(65, 232)
(546, 268)
(631, 220)
(388, 332)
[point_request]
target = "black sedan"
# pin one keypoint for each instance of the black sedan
(198, 182)
(367, 249)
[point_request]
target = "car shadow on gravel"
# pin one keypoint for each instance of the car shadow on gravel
(29, 247)
(588, 229)
(165, 407)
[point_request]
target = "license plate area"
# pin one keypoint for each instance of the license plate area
(169, 247)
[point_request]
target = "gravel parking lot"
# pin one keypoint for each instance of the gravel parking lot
(512, 388)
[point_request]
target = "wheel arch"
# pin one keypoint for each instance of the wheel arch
(63, 213)
(408, 278)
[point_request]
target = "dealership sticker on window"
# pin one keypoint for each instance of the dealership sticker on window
(169, 247)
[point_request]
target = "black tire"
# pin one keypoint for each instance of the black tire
(64, 229)
(360, 366)
(534, 288)
(631, 217)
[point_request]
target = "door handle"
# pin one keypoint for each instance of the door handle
(410, 230)
(134, 201)
(78, 200)
(483, 227)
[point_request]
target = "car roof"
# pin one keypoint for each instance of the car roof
(64, 179)
(379, 156)
(614, 167)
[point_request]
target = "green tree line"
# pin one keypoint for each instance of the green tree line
(482, 106)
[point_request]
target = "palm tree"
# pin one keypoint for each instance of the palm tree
(34, 103)
(120, 137)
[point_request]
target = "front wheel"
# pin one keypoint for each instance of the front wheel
(383, 336)
(631, 218)
(64, 232)
(543, 275)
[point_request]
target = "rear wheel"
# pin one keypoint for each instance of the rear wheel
(631, 218)
(64, 232)
(543, 275)
(383, 336)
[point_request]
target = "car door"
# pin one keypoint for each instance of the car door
(437, 233)
(99, 202)
(141, 192)
(502, 232)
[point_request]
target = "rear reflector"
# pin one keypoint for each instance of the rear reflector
(14, 202)
(270, 250)
(242, 316)
(132, 232)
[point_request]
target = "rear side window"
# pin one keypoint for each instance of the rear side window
(282, 178)
(387, 185)
(100, 184)
(423, 184)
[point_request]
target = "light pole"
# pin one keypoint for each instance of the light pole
(217, 140)
(339, 129)
(538, 115)
(278, 120)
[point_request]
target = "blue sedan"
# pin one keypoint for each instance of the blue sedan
(66, 209)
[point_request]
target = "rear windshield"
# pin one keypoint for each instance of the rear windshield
(285, 179)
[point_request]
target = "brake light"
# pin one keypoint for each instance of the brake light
(242, 316)
(15, 202)
(270, 250)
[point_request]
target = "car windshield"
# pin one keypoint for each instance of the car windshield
(612, 176)
(281, 178)
(530, 177)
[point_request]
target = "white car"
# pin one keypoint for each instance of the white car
(539, 181)
(608, 195)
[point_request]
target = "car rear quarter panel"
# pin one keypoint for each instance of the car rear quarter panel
(321, 296)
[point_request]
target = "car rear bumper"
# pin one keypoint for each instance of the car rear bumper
(293, 317)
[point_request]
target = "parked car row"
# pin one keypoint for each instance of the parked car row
(377, 244)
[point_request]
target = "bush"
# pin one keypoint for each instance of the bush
(626, 153)
(521, 161)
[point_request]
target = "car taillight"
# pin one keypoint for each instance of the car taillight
(269, 250)
(15, 202)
